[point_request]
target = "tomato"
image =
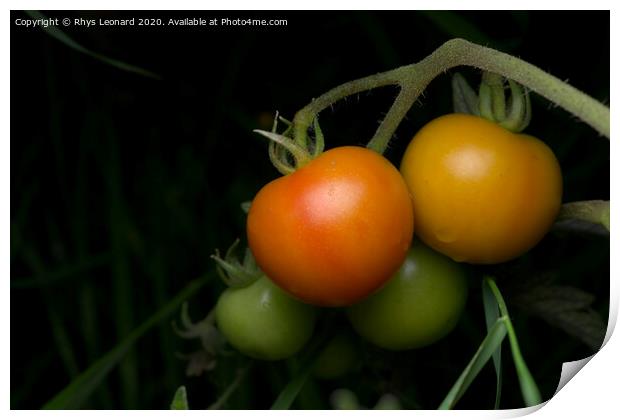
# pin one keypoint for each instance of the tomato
(335, 230)
(481, 193)
(421, 303)
(263, 322)
(337, 358)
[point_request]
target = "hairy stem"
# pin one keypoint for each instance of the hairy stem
(414, 78)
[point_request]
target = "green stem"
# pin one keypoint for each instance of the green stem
(395, 115)
(414, 78)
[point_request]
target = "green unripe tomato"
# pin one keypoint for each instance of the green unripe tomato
(263, 322)
(421, 303)
(337, 358)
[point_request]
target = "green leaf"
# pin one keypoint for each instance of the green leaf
(529, 389)
(65, 39)
(72, 396)
(567, 308)
(179, 401)
(491, 314)
(491, 342)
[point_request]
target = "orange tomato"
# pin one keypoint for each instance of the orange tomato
(335, 230)
(481, 193)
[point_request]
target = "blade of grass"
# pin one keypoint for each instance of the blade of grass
(68, 41)
(63, 342)
(56, 277)
(72, 396)
(31, 374)
(155, 260)
(490, 343)
(118, 222)
(491, 314)
(58, 328)
(291, 390)
(529, 389)
(179, 401)
(89, 310)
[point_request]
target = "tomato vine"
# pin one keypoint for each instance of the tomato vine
(413, 79)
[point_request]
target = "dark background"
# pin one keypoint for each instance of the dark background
(122, 186)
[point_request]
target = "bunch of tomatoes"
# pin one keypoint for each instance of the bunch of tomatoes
(339, 232)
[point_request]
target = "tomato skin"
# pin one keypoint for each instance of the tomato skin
(481, 193)
(335, 230)
(420, 305)
(263, 322)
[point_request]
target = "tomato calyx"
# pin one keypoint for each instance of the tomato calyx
(512, 112)
(236, 273)
(211, 340)
(287, 154)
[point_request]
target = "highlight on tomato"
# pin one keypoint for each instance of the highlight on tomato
(336, 229)
(481, 193)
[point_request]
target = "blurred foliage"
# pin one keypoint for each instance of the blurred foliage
(122, 186)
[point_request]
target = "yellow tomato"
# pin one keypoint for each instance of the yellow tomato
(481, 194)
